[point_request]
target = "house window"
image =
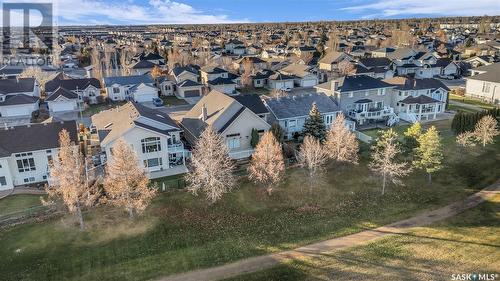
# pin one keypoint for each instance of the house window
(28, 180)
(49, 159)
(351, 94)
(292, 123)
(328, 119)
(3, 181)
(116, 90)
(257, 82)
(25, 164)
(153, 162)
(233, 141)
(151, 145)
(486, 87)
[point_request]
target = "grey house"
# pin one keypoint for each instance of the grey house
(363, 98)
(292, 111)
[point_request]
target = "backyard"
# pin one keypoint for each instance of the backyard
(465, 244)
(181, 232)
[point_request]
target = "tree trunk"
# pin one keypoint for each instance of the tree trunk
(429, 177)
(79, 216)
(384, 179)
(131, 212)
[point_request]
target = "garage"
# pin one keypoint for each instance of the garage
(62, 106)
(15, 111)
(309, 82)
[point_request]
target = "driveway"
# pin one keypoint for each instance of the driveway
(263, 262)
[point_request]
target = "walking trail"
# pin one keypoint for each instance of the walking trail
(254, 264)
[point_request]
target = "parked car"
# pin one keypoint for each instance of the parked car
(287, 89)
(158, 102)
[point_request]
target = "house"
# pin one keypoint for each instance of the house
(303, 75)
(255, 63)
(255, 104)
(139, 88)
(231, 119)
(87, 89)
(167, 85)
(278, 81)
(62, 100)
(418, 99)
(261, 78)
(304, 51)
(155, 137)
(484, 83)
(223, 85)
(292, 111)
(209, 73)
(189, 89)
(382, 52)
(362, 98)
(234, 46)
(379, 67)
(26, 151)
(19, 97)
(332, 59)
(182, 73)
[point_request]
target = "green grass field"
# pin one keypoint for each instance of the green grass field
(468, 243)
(471, 101)
(181, 232)
(19, 202)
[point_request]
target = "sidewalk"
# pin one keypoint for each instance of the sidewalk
(263, 262)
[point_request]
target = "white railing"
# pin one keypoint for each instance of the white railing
(363, 137)
(241, 154)
(371, 114)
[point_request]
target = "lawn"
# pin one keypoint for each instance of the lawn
(258, 91)
(466, 244)
(471, 101)
(96, 108)
(181, 232)
(172, 101)
(19, 202)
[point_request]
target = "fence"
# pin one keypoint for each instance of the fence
(26, 215)
(363, 137)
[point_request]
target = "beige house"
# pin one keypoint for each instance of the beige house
(230, 118)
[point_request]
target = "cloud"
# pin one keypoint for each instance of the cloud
(392, 8)
(83, 12)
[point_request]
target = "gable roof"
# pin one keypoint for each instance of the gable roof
(422, 99)
(252, 102)
(71, 84)
(300, 105)
(359, 83)
(34, 137)
(128, 80)
(332, 57)
(21, 85)
(375, 62)
(405, 83)
(61, 92)
(491, 74)
(19, 99)
(113, 123)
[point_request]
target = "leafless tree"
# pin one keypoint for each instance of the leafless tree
(126, 183)
(341, 143)
(246, 77)
(466, 139)
(267, 166)
(41, 76)
(384, 159)
(486, 130)
(68, 180)
(313, 157)
(211, 168)
(345, 67)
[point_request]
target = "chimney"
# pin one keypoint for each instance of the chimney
(204, 113)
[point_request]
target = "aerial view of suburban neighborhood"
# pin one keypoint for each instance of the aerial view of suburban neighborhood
(195, 140)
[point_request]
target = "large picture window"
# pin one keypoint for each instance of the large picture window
(25, 163)
(151, 145)
(153, 162)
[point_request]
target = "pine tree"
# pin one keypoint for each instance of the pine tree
(314, 125)
(429, 154)
(254, 140)
(278, 133)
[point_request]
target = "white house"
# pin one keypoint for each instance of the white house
(418, 99)
(154, 136)
(62, 100)
(139, 88)
(19, 97)
(278, 81)
(25, 152)
(484, 83)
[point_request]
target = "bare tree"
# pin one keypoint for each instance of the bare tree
(466, 139)
(267, 166)
(246, 77)
(211, 168)
(313, 157)
(68, 179)
(41, 76)
(486, 130)
(126, 182)
(384, 159)
(341, 143)
(345, 67)
(95, 60)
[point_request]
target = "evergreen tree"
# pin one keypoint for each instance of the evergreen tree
(314, 125)
(254, 138)
(278, 133)
(411, 136)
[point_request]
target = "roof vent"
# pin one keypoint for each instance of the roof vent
(108, 125)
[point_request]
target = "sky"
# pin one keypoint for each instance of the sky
(122, 12)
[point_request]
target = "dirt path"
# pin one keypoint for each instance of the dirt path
(263, 262)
